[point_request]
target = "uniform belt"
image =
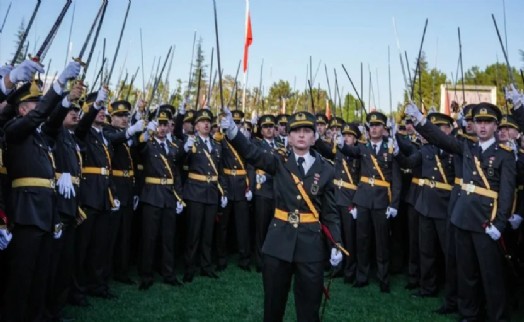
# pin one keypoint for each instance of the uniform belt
(341, 183)
(415, 181)
(471, 188)
(235, 172)
(33, 182)
(161, 181)
(295, 217)
(3, 170)
(140, 167)
(375, 182)
(74, 180)
(458, 181)
(123, 173)
(434, 184)
(201, 177)
(93, 170)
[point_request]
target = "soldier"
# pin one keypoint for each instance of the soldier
(377, 199)
(432, 202)
(161, 198)
(32, 215)
(347, 174)
(203, 190)
(264, 189)
(294, 244)
(481, 211)
(238, 195)
(121, 136)
(281, 133)
(321, 122)
(61, 125)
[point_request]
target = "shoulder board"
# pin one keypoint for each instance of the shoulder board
(363, 142)
(505, 147)
(467, 136)
(173, 144)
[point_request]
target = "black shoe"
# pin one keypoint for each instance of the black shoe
(422, 294)
(221, 267)
(208, 274)
(445, 310)
(144, 285)
(125, 280)
(360, 284)
(173, 281)
(411, 286)
(349, 279)
(384, 288)
(245, 268)
(188, 277)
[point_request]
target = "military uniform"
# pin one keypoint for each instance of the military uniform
(294, 243)
(379, 188)
(485, 199)
(32, 214)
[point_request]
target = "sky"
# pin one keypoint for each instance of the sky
(286, 33)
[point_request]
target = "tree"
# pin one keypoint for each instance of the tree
(427, 84)
(199, 69)
(19, 35)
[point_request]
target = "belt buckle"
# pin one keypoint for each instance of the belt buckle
(125, 173)
(470, 188)
(338, 183)
(52, 183)
(421, 182)
(208, 178)
(432, 184)
(104, 171)
(163, 180)
(293, 218)
(234, 172)
(372, 181)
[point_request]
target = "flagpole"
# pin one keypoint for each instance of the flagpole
(247, 42)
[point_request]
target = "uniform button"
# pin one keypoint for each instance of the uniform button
(299, 197)
(474, 173)
(343, 171)
(491, 204)
(435, 169)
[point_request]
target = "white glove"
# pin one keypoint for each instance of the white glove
(227, 123)
(515, 220)
(189, 143)
(392, 144)
(340, 141)
(391, 212)
(151, 126)
(249, 195)
(57, 234)
(24, 72)
(354, 212)
(116, 205)
(5, 238)
(493, 232)
(246, 133)
(413, 111)
(71, 71)
(260, 178)
(5, 69)
(514, 96)
(101, 97)
(65, 186)
(135, 128)
(336, 257)
(136, 199)
(223, 202)
(179, 207)
(254, 120)
(182, 107)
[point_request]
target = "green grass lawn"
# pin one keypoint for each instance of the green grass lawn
(238, 296)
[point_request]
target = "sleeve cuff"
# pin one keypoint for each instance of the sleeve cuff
(66, 103)
(58, 88)
(4, 89)
(232, 133)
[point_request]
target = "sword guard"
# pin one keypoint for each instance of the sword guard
(35, 59)
(79, 60)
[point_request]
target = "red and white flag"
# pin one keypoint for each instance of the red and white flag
(249, 35)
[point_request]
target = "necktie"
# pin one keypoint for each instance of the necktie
(375, 148)
(272, 145)
(300, 161)
(163, 148)
(206, 141)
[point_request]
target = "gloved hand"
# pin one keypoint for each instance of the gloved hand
(391, 212)
(5, 238)
(189, 143)
(340, 141)
(151, 126)
(182, 107)
(227, 122)
(65, 186)
(260, 178)
(513, 96)
(254, 120)
(179, 207)
(101, 98)
(135, 128)
(493, 232)
(249, 195)
(353, 211)
(413, 111)
(223, 202)
(24, 71)
(136, 200)
(57, 234)
(246, 133)
(336, 257)
(116, 205)
(71, 71)
(515, 220)
(393, 145)
(5, 70)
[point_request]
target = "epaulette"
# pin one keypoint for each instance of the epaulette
(173, 144)
(328, 161)
(467, 136)
(505, 147)
(363, 141)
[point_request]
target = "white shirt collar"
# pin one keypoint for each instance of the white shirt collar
(308, 161)
(486, 144)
